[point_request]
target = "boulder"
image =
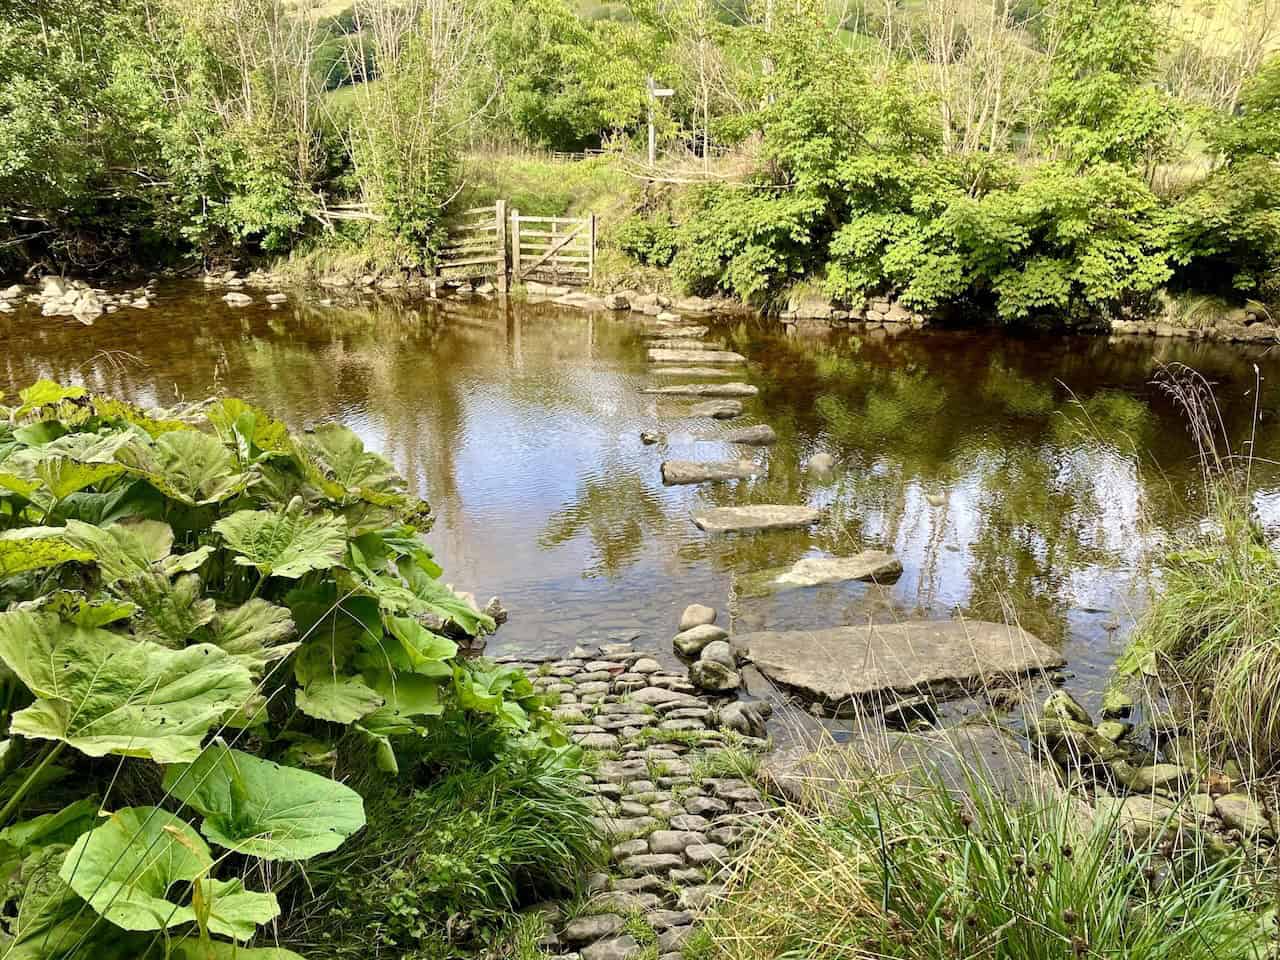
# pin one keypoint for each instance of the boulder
(1239, 811)
(881, 661)
(665, 331)
(277, 298)
(716, 409)
(690, 642)
(711, 357)
(677, 472)
(761, 435)
(236, 299)
(821, 464)
(616, 301)
(1159, 776)
(1073, 744)
(693, 372)
(1061, 705)
(678, 342)
(1144, 819)
(719, 651)
(875, 566)
(756, 518)
(53, 287)
(744, 717)
(1116, 704)
(704, 390)
(696, 615)
(714, 677)
(810, 306)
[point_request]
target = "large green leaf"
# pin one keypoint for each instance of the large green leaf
(186, 465)
(406, 694)
(125, 868)
(122, 550)
(415, 592)
(44, 393)
(84, 611)
(226, 908)
(67, 465)
(193, 949)
(410, 648)
(34, 548)
(289, 544)
(170, 611)
(263, 809)
(351, 470)
(251, 429)
(338, 699)
(64, 826)
(256, 632)
(103, 692)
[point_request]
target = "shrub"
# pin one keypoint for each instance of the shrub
(647, 241)
(205, 614)
(970, 874)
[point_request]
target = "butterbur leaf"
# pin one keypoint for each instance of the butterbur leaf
(339, 699)
(350, 468)
(255, 631)
(63, 827)
(263, 809)
(186, 562)
(252, 430)
(108, 408)
(43, 393)
(226, 908)
(34, 548)
(122, 550)
(186, 465)
(75, 607)
(193, 949)
(406, 694)
(170, 611)
(125, 868)
(289, 544)
(105, 693)
(424, 651)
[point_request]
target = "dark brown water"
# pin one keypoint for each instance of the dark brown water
(1058, 463)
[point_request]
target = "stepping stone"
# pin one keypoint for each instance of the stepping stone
(878, 661)
(651, 863)
(704, 390)
(586, 929)
(716, 409)
(761, 435)
(693, 372)
(683, 343)
(876, 566)
(678, 472)
(674, 841)
(662, 355)
(697, 898)
(618, 948)
(754, 518)
(660, 331)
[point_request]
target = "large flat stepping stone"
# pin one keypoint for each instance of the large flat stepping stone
(663, 355)
(683, 343)
(754, 518)
(675, 330)
(704, 390)
(678, 472)
(876, 566)
(716, 409)
(761, 435)
(882, 661)
(693, 372)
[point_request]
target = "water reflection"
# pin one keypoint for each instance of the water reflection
(1020, 478)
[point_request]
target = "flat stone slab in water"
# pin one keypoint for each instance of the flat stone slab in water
(874, 565)
(693, 372)
(716, 409)
(754, 518)
(666, 331)
(841, 664)
(676, 472)
(662, 355)
(682, 343)
(761, 435)
(704, 390)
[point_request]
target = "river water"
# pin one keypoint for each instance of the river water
(1018, 478)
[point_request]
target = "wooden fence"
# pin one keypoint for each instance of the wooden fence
(553, 249)
(477, 246)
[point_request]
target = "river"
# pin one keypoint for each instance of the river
(1026, 478)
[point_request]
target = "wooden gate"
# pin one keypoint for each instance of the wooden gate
(477, 246)
(553, 249)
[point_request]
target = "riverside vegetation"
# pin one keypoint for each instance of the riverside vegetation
(214, 632)
(1066, 160)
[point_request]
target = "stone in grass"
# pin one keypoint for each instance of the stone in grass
(746, 718)
(666, 919)
(615, 948)
(706, 854)
(706, 806)
(1239, 811)
(1114, 730)
(1060, 705)
(1159, 776)
(673, 939)
(689, 821)
(650, 863)
(696, 615)
(674, 841)
(699, 897)
(587, 929)
(714, 677)
(664, 700)
(719, 651)
(1116, 704)
(690, 642)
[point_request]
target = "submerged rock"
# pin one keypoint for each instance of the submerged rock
(843, 664)
(873, 565)
(761, 435)
(677, 472)
(821, 464)
(716, 409)
(1061, 705)
(235, 299)
(754, 518)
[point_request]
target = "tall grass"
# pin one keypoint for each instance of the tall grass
(1212, 636)
(967, 875)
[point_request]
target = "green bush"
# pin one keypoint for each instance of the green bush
(648, 241)
(207, 615)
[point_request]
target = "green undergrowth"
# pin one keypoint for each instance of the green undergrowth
(972, 875)
(226, 652)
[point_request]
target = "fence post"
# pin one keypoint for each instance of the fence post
(515, 245)
(500, 216)
(591, 254)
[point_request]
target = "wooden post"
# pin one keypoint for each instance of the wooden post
(515, 245)
(500, 238)
(591, 253)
